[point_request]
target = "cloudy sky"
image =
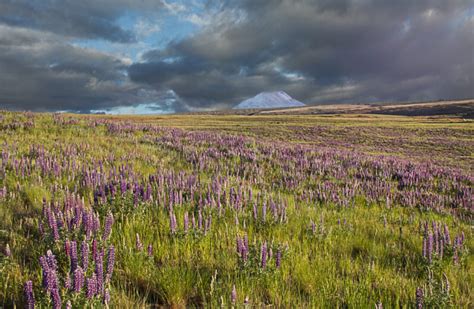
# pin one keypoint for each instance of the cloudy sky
(154, 56)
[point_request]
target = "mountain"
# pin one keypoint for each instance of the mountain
(275, 99)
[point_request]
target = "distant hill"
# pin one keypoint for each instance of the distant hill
(269, 100)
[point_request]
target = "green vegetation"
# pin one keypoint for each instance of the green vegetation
(246, 177)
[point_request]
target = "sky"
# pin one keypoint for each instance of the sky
(165, 56)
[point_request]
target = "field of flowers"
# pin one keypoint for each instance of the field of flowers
(236, 211)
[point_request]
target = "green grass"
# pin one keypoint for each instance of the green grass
(358, 256)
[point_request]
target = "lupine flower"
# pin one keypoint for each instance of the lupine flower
(429, 250)
(419, 298)
(278, 258)
(68, 305)
(73, 251)
(263, 253)
(29, 295)
(108, 226)
(99, 272)
(150, 250)
(85, 255)
(94, 249)
(51, 259)
(447, 238)
(56, 298)
(173, 223)
(110, 262)
(78, 279)
(91, 286)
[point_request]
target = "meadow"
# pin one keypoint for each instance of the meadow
(286, 211)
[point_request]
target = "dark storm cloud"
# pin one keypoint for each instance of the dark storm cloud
(89, 19)
(42, 70)
(321, 51)
(41, 73)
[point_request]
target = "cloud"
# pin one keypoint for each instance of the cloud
(40, 72)
(87, 19)
(320, 51)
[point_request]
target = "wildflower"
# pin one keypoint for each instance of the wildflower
(85, 255)
(110, 262)
(78, 279)
(73, 251)
(108, 226)
(56, 298)
(419, 298)
(99, 272)
(91, 286)
(263, 253)
(278, 258)
(30, 297)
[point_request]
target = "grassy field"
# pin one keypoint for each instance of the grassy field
(348, 211)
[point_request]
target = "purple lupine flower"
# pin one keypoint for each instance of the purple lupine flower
(419, 298)
(99, 272)
(447, 238)
(91, 284)
(73, 251)
(56, 298)
(68, 305)
(29, 295)
(110, 262)
(278, 258)
(429, 250)
(94, 249)
(263, 253)
(108, 226)
(51, 280)
(233, 295)
(138, 243)
(85, 255)
(78, 279)
(150, 250)
(45, 269)
(51, 259)
(172, 222)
